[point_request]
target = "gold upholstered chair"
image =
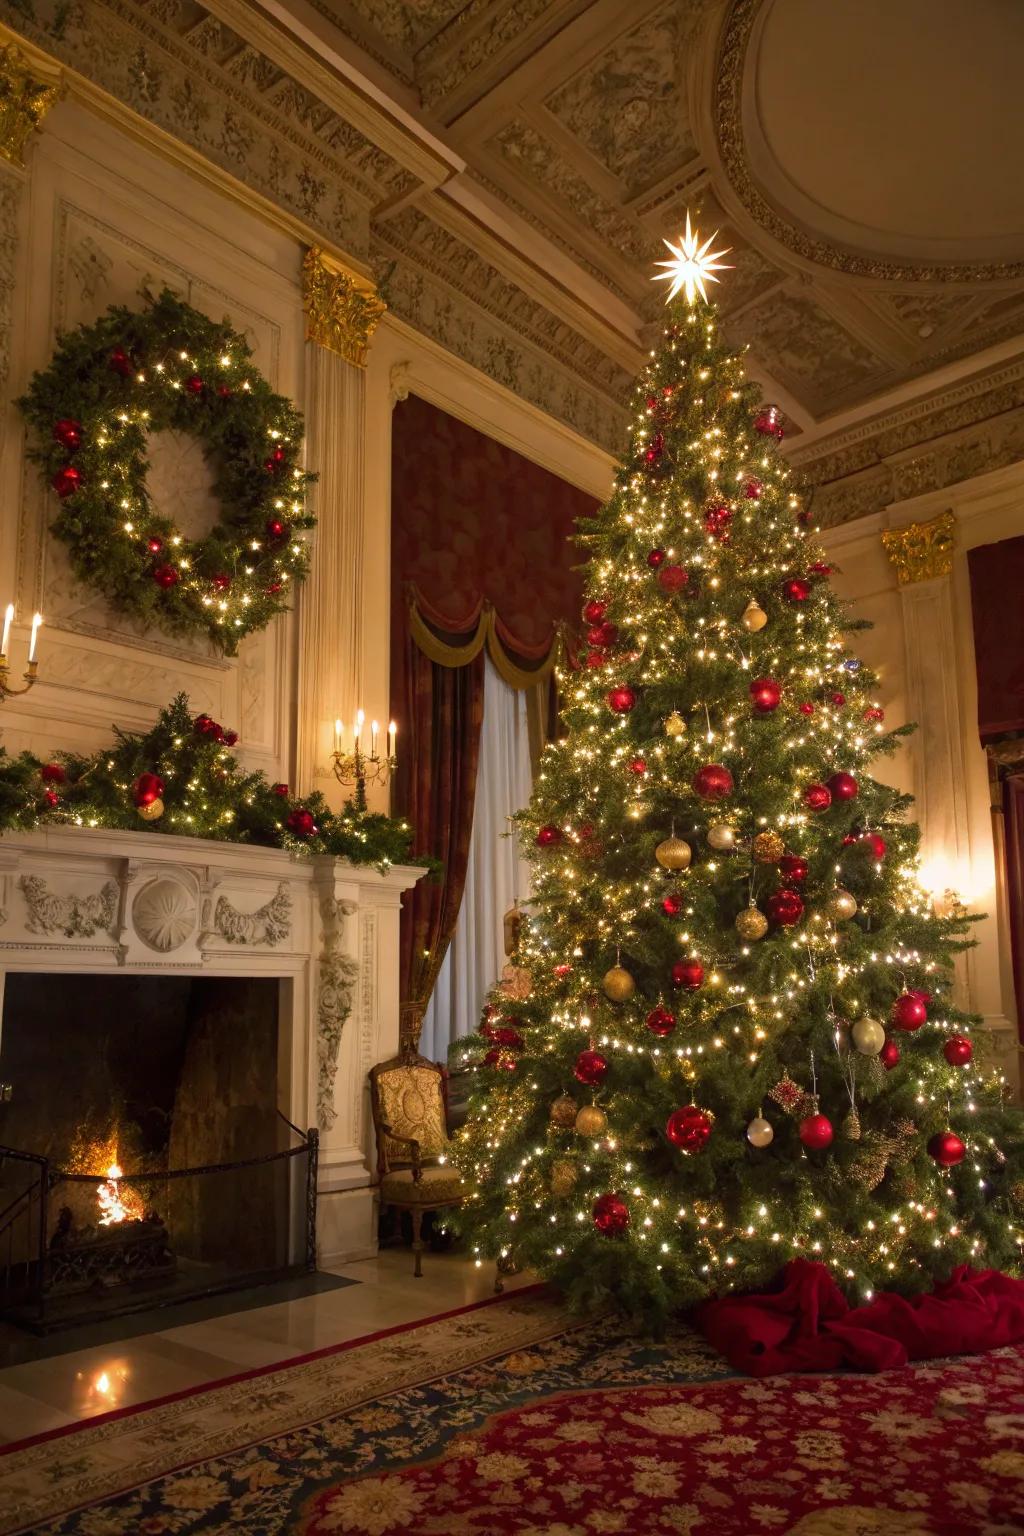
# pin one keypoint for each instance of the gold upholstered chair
(408, 1095)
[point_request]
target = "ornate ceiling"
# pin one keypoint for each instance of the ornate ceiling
(508, 168)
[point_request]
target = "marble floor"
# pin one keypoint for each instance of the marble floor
(45, 1394)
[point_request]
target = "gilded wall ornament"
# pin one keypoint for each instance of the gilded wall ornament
(340, 315)
(24, 102)
(921, 551)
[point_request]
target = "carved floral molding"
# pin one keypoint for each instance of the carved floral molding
(269, 924)
(340, 315)
(922, 551)
(335, 996)
(76, 917)
(24, 102)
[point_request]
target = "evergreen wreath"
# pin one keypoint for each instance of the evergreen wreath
(170, 368)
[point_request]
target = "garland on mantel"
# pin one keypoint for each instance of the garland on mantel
(180, 777)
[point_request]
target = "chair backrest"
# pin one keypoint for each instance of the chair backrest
(407, 1094)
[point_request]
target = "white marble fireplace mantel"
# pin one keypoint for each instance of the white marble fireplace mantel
(85, 900)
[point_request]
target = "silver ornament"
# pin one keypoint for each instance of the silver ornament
(868, 1036)
(760, 1132)
(722, 836)
(841, 905)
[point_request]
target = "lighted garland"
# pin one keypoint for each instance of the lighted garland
(170, 368)
(181, 777)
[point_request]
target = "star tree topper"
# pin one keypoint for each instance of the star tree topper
(692, 265)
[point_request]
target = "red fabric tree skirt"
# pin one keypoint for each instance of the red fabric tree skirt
(808, 1325)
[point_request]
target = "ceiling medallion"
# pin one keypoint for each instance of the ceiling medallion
(728, 99)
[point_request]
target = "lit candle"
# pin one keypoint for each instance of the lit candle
(358, 729)
(337, 735)
(392, 733)
(8, 621)
(374, 729)
(37, 619)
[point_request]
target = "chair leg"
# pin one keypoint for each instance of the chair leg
(417, 1245)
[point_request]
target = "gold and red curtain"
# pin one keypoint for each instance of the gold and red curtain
(482, 563)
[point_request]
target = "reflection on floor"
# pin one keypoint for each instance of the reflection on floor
(44, 1394)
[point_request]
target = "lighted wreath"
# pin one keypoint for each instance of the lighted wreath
(170, 368)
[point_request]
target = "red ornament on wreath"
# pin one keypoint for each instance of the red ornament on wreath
(784, 908)
(688, 974)
(621, 699)
(816, 1132)
(51, 798)
(591, 1068)
(595, 610)
(300, 822)
(224, 391)
(672, 578)
(712, 782)
(67, 481)
(843, 786)
(794, 868)
(947, 1149)
(765, 695)
(166, 577)
(908, 1012)
(656, 558)
(68, 433)
(548, 836)
(147, 788)
(889, 1055)
(276, 528)
(280, 789)
(688, 1128)
(120, 362)
(817, 797)
(660, 1021)
(154, 544)
(195, 385)
(53, 773)
(611, 1214)
(958, 1050)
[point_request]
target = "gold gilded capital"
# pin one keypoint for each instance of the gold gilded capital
(25, 100)
(921, 551)
(340, 314)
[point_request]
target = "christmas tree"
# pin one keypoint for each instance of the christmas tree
(740, 1043)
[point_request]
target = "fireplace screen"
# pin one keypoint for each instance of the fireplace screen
(143, 1156)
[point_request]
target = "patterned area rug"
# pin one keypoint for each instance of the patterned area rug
(513, 1420)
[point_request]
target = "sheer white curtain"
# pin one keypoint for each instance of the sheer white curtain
(496, 874)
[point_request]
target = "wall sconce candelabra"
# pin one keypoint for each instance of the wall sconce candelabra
(360, 766)
(6, 691)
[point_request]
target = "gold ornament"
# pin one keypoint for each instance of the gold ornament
(850, 1128)
(673, 853)
(675, 725)
(753, 617)
(760, 1132)
(591, 1121)
(767, 847)
(868, 1036)
(721, 836)
(618, 984)
(151, 812)
(563, 1112)
(563, 1178)
(752, 924)
(841, 906)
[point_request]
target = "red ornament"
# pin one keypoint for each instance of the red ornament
(672, 578)
(564, 969)
(875, 844)
(874, 713)
(638, 766)
(500, 1059)
(839, 699)
(817, 797)
(806, 708)
(820, 568)
(221, 581)
(785, 908)
(53, 773)
(796, 590)
(591, 1068)
(908, 1012)
(816, 1132)
(120, 362)
(843, 786)
(947, 1149)
(166, 576)
(548, 836)
(68, 433)
(276, 528)
(672, 904)
(195, 385)
(712, 782)
(595, 610)
(596, 659)
(608, 634)
(765, 694)
(224, 391)
(655, 558)
(51, 798)
(958, 1050)
(655, 448)
(279, 789)
(278, 455)
(794, 868)
(621, 699)
(611, 1215)
(889, 1055)
(147, 788)
(154, 544)
(300, 823)
(67, 481)
(768, 422)
(753, 490)
(688, 1128)
(229, 738)
(688, 974)
(717, 519)
(660, 1021)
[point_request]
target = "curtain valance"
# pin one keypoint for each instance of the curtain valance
(997, 582)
